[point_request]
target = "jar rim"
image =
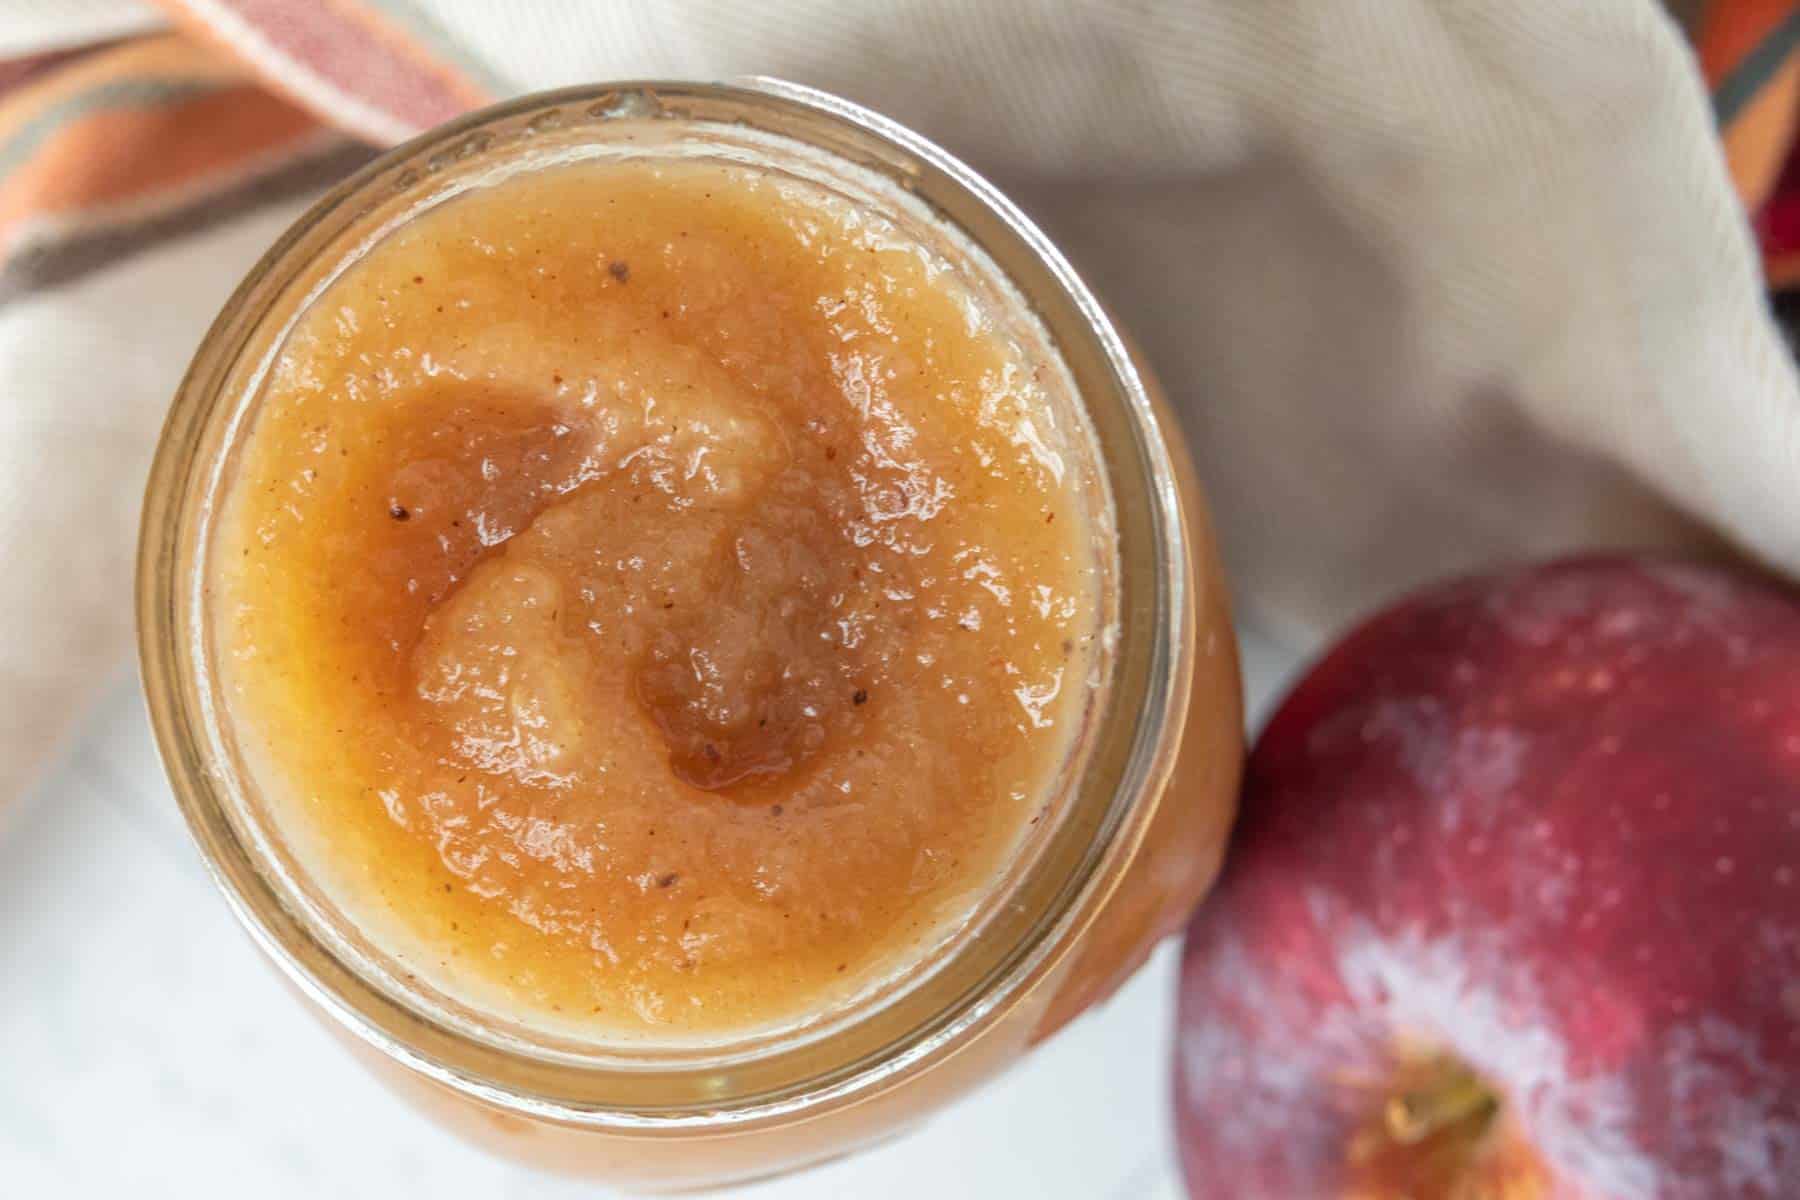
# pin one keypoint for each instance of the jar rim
(1140, 722)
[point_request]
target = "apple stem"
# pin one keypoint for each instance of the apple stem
(1413, 1116)
(1437, 1129)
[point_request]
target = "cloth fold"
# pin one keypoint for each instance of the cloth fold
(1432, 282)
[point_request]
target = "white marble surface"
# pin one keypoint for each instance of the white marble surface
(146, 1050)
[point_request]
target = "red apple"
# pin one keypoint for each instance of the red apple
(1513, 909)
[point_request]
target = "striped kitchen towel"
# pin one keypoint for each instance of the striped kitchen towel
(1433, 282)
(107, 146)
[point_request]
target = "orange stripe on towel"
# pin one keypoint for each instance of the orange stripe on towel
(1731, 29)
(1749, 51)
(167, 56)
(125, 126)
(1758, 140)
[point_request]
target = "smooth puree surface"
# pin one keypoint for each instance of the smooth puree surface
(654, 597)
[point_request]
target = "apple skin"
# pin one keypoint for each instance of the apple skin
(1547, 821)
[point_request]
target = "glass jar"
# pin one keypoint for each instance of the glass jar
(1141, 819)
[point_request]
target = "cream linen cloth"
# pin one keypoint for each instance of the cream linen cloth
(1431, 282)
